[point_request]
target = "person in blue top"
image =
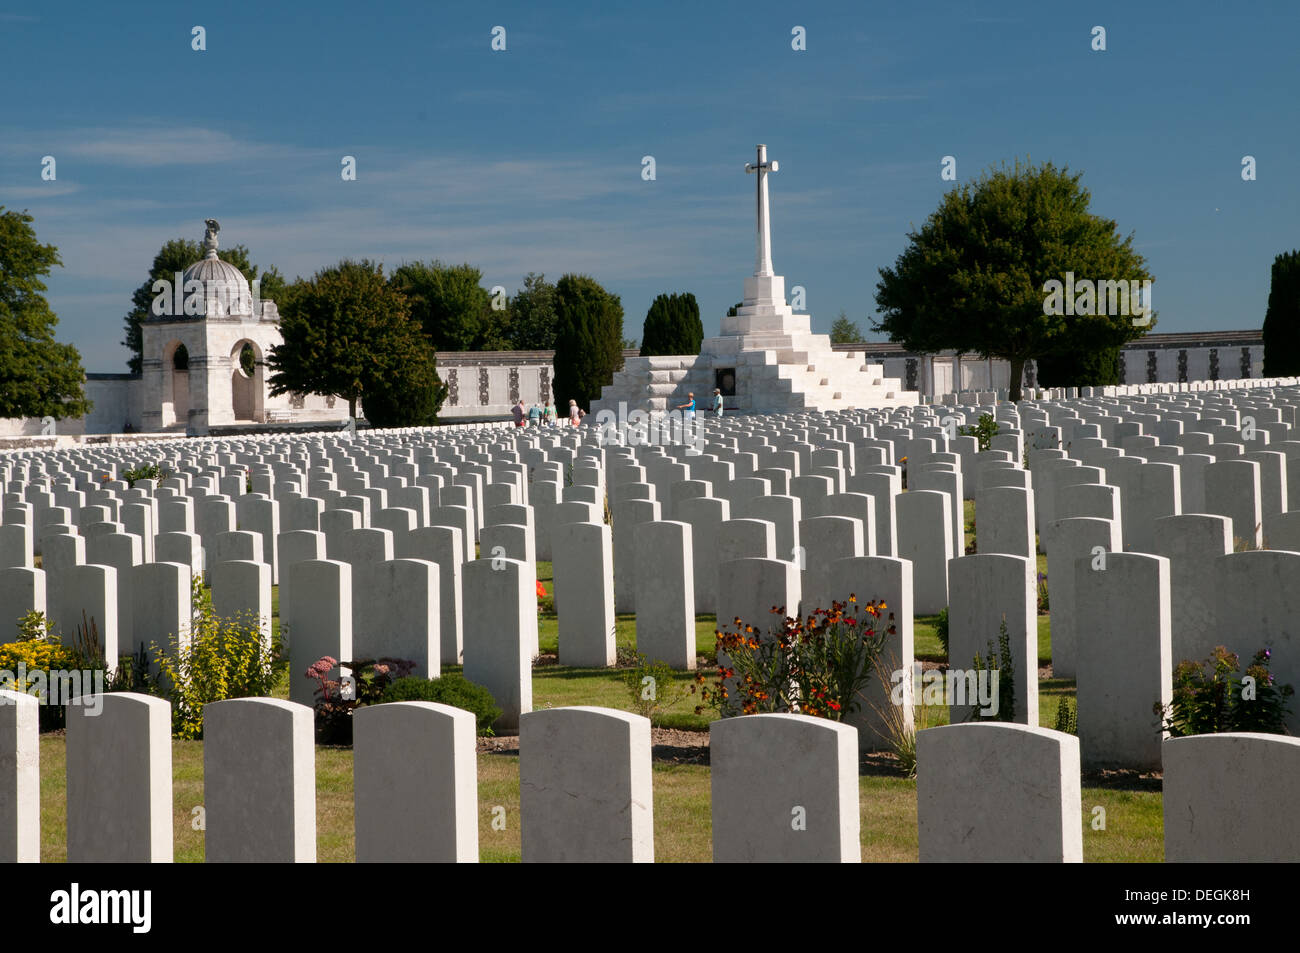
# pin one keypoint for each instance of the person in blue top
(717, 401)
(689, 406)
(534, 416)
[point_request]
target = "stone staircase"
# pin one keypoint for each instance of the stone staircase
(794, 375)
(779, 365)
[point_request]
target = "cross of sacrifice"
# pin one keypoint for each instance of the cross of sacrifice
(763, 261)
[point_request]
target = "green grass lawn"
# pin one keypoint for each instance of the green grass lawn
(1133, 829)
(1132, 814)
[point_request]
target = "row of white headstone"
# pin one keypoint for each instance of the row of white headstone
(784, 788)
(388, 579)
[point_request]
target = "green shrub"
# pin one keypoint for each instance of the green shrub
(450, 689)
(34, 627)
(1067, 717)
(651, 688)
(892, 714)
(941, 629)
(225, 657)
(1002, 663)
(816, 665)
(1209, 697)
(335, 699)
(150, 471)
(984, 431)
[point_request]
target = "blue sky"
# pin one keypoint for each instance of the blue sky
(530, 159)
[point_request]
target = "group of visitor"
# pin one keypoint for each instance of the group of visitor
(689, 406)
(538, 416)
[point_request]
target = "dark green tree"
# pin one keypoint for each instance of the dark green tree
(273, 285)
(448, 301)
(734, 309)
(1282, 319)
(408, 391)
(588, 339)
(39, 377)
(973, 278)
(672, 326)
(1081, 367)
(493, 332)
(175, 256)
(532, 315)
(348, 332)
(844, 331)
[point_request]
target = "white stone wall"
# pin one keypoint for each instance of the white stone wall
(974, 374)
(119, 400)
(483, 390)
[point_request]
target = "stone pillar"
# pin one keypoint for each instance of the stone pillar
(401, 615)
(443, 546)
(984, 589)
(584, 578)
(259, 770)
(665, 588)
(1245, 783)
(415, 789)
(20, 778)
(1026, 811)
(585, 792)
(925, 538)
(500, 633)
(242, 588)
(119, 776)
(318, 619)
(784, 790)
(889, 580)
(1124, 664)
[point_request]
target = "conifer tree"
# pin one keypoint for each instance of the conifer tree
(1282, 319)
(588, 340)
(672, 326)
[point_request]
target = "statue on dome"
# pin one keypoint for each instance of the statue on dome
(210, 237)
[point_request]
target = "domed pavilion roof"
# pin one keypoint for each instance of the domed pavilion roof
(225, 289)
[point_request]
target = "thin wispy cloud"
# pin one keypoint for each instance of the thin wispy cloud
(148, 144)
(46, 191)
(530, 160)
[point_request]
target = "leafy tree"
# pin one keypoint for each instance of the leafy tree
(447, 300)
(1282, 319)
(493, 332)
(734, 309)
(348, 332)
(39, 377)
(844, 331)
(672, 326)
(630, 344)
(588, 339)
(274, 286)
(532, 315)
(972, 278)
(1082, 366)
(409, 392)
(175, 256)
